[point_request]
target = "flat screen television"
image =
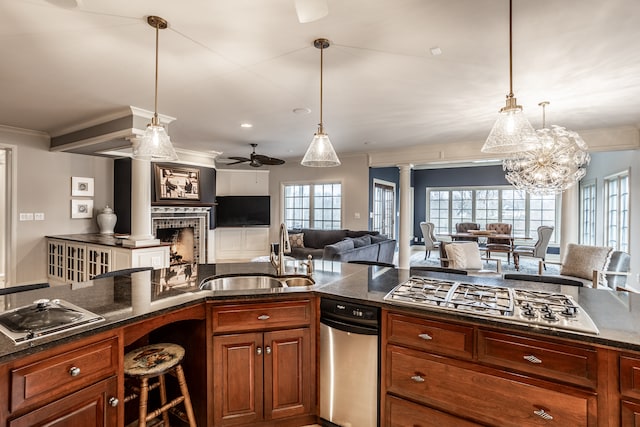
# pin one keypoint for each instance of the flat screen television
(243, 211)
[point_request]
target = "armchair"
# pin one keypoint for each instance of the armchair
(538, 250)
(497, 244)
(430, 240)
(466, 256)
(593, 265)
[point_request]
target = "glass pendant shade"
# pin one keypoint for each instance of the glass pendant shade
(320, 152)
(154, 145)
(555, 165)
(511, 133)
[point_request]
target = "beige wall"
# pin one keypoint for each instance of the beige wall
(44, 185)
(353, 173)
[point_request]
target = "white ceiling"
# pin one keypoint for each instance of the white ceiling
(225, 62)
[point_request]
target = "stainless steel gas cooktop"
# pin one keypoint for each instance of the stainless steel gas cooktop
(530, 307)
(43, 318)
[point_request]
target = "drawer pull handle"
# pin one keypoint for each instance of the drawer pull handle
(264, 317)
(531, 358)
(542, 414)
(417, 378)
(74, 371)
(267, 350)
(113, 401)
(425, 337)
(259, 351)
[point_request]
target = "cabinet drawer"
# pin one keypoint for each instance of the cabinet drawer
(401, 413)
(630, 414)
(434, 336)
(630, 376)
(558, 362)
(244, 317)
(482, 395)
(62, 373)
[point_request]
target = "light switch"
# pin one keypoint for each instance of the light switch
(38, 216)
(26, 216)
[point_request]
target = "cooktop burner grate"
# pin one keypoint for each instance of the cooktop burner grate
(531, 307)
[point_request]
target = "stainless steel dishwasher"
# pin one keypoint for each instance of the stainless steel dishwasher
(349, 364)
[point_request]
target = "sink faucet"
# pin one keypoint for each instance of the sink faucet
(283, 247)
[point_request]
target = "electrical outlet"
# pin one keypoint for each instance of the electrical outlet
(38, 216)
(26, 216)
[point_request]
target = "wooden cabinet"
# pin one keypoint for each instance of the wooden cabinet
(448, 373)
(630, 390)
(74, 384)
(265, 371)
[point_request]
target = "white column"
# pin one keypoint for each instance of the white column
(141, 234)
(404, 219)
(569, 220)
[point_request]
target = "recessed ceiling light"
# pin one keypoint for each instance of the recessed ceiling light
(435, 51)
(246, 125)
(302, 110)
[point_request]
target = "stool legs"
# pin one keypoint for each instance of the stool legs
(163, 399)
(187, 400)
(144, 396)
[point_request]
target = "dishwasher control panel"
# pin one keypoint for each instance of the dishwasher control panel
(356, 313)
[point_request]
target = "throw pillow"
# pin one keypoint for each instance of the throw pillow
(361, 241)
(464, 255)
(379, 238)
(581, 260)
(296, 240)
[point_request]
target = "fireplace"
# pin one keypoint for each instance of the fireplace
(186, 228)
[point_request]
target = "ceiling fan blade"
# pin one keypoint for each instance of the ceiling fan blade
(311, 10)
(266, 160)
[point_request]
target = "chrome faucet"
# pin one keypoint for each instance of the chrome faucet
(277, 261)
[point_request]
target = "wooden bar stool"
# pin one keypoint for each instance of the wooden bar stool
(154, 361)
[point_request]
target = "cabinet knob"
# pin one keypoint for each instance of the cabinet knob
(542, 414)
(267, 350)
(425, 337)
(74, 371)
(417, 378)
(113, 401)
(531, 358)
(259, 351)
(264, 317)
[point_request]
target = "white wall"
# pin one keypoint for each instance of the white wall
(609, 163)
(44, 185)
(353, 173)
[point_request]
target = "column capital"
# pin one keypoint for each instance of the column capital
(405, 166)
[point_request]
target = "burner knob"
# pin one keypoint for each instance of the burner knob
(545, 308)
(569, 310)
(549, 316)
(528, 312)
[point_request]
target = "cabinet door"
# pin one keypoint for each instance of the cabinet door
(287, 373)
(630, 414)
(90, 407)
(98, 260)
(237, 379)
(55, 259)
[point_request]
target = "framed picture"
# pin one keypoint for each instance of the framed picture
(177, 183)
(81, 186)
(81, 208)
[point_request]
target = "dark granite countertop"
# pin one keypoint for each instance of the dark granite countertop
(97, 239)
(128, 299)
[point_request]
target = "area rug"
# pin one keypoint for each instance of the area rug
(528, 265)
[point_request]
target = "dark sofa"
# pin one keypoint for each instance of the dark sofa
(343, 245)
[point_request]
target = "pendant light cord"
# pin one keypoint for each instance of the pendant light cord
(154, 121)
(321, 68)
(510, 51)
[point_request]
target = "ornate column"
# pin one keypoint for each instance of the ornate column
(404, 225)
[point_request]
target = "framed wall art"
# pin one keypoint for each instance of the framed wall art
(81, 186)
(81, 208)
(177, 183)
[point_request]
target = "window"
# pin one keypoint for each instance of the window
(313, 206)
(588, 213)
(616, 195)
(384, 207)
(525, 212)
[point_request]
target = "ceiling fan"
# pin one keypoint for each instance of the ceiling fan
(256, 160)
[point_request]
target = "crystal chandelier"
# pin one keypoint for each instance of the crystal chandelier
(155, 143)
(555, 165)
(320, 152)
(512, 132)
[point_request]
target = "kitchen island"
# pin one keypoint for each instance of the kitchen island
(603, 390)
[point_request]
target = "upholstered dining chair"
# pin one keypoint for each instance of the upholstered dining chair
(466, 256)
(538, 250)
(499, 245)
(464, 227)
(430, 241)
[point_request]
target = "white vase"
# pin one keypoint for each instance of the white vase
(106, 220)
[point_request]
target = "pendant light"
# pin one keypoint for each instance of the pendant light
(155, 143)
(320, 152)
(512, 132)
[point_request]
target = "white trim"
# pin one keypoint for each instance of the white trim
(11, 226)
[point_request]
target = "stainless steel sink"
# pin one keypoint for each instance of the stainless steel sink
(297, 281)
(233, 283)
